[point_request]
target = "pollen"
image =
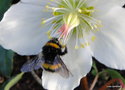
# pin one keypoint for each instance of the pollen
(82, 46)
(49, 34)
(93, 38)
(72, 17)
(47, 6)
(43, 22)
(87, 44)
(76, 47)
(79, 10)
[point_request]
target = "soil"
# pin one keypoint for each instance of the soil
(29, 83)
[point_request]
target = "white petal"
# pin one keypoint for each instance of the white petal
(103, 6)
(35, 2)
(79, 62)
(109, 47)
(21, 29)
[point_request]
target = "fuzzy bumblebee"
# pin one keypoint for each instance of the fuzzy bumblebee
(49, 59)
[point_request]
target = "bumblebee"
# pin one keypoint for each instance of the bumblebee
(49, 59)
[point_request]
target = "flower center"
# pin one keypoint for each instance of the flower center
(72, 17)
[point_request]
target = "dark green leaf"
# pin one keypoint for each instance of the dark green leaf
(6, 57)
(94, 70)
(6, 62)
(115, 74)
(4, 5)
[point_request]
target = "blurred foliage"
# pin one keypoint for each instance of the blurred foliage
(6, 56)
(11, 82)
(115, 75)
(95, 70)
(6, 62)
(109, 75)
(4, 5)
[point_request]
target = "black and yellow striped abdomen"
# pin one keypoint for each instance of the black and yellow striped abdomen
(51, 67)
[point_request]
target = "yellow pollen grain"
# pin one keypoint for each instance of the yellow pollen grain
(97, 30)
(87, 44)
(46, 6)
(50, 37)
(53, 8)
(93, 38)
(79, 10)
(49, 34)
(76, 47)
(99, 25)
(92, 28)
(82, 46)
(48, 3)
(95, 26)
(43, 22)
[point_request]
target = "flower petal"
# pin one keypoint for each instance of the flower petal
(21, 29)
(37, 2)
(79, 62)
(109, 46)
(103, 6)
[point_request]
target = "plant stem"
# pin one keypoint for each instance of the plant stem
(36, 77)
(94, 82)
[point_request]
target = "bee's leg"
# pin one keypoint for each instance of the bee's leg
(64, 52)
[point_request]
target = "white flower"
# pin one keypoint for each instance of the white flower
(94, 27)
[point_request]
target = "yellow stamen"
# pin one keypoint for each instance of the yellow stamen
(43, 22)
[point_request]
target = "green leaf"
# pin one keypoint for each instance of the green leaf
(6, 62)
(11, 82)
(115, 74)
(4, 5)
(6, 57)
(94, 70)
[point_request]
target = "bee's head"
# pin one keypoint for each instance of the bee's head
(54, 40)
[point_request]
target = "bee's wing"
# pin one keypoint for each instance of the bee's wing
(63, 71)
(33, 64)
